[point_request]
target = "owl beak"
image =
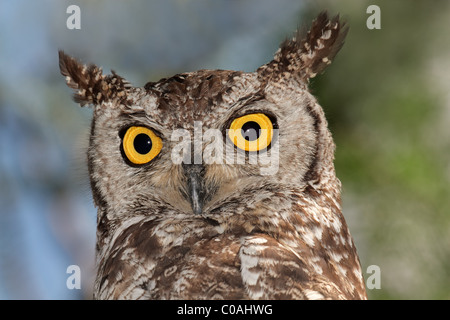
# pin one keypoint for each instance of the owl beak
(194, 175)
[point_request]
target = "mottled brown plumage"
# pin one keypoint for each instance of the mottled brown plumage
(220, 229)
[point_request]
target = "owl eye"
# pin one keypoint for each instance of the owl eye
(252, 132)
(141, 145)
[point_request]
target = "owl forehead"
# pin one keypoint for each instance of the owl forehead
(205, 95)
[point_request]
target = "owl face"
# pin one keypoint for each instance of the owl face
(186, 142)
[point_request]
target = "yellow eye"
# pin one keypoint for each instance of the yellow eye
(141, 145)
(252, 132)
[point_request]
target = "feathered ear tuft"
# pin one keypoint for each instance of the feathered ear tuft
(92, 87)
(308, 53)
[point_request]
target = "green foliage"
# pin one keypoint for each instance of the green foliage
(381, 103)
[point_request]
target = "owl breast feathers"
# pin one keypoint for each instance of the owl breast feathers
(219, 184)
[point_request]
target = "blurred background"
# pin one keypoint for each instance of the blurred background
(386, 97)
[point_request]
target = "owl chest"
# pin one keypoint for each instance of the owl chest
(204, 269)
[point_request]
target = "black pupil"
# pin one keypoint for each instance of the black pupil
(251, 131)
(142, 143)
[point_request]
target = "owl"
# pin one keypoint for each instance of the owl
(219, 184)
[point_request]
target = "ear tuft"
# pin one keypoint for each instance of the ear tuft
(308, 53)
(89, 83)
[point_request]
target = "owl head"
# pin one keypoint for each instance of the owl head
(198, 145)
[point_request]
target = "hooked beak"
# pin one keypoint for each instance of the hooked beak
(194, 175)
